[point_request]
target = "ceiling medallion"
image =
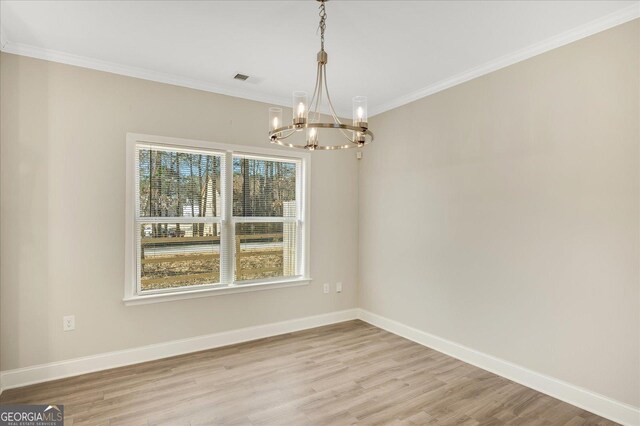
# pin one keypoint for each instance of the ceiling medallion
(306, 115)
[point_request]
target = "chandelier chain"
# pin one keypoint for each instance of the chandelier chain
(323, 23)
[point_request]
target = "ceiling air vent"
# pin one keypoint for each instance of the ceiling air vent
(241, 77)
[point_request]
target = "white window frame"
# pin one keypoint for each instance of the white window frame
(132, 293)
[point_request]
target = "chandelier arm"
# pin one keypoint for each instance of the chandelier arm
(326, 89)
(348, 137)
(351, 137)
(292, 132)
(316, 116)
(321, 95)
(319, 104)
(315, 89)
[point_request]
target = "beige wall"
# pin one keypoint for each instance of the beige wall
(62, 196)
(503, 214)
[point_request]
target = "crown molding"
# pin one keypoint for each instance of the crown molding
(601, 24)
(3, 38)
(142, 73)
(9, 46)
(3, 34)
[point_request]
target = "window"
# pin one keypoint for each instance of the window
(206, 218)
(265, 217)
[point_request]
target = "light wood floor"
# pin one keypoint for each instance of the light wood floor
(341, 374)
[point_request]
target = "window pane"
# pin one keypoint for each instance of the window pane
(264, 188)
(179, 255)
(178, 184)
(265, 250)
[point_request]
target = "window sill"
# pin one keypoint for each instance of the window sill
(193, 294)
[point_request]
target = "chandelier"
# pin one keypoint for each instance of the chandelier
(307, 116)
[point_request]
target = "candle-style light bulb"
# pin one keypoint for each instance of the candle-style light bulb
(275, 118)
(299, 109)
(360, 111)
(312, 138)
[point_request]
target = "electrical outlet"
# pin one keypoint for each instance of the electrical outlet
(68, 323)
(338, 287)
(326, 288)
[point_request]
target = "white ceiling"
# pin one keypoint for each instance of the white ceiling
(391, 51)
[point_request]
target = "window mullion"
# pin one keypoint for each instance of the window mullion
(264, 219)
(183, 219)
(138, 250)
(227, 254)
(300, 225)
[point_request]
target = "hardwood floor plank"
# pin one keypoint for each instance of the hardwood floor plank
(342, 374)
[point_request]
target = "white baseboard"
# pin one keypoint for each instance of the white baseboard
(598, 404)
(74, 367)
(575, 395)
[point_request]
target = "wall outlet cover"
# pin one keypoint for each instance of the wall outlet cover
(68, 322)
